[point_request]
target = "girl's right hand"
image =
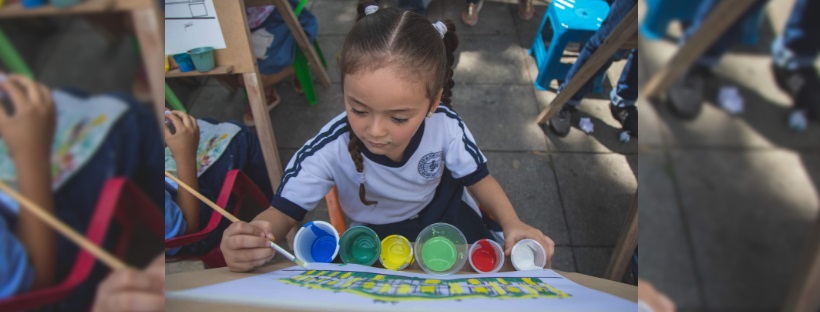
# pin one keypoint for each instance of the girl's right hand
(246, 246)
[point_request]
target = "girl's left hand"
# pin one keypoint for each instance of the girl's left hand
(519, 230)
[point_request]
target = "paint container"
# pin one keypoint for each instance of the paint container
(396, 252)
(316, 241)
(360, 245)
(441, 249)
(184, 62)
(486, 256)
(64, 3)
(30, 4)
(528, 254)
(203, 58)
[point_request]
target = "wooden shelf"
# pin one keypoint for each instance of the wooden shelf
(219, 70)
(14, 10)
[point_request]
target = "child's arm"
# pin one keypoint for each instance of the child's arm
(183, 144)
(246, 245)
(492, 198)
(28, 134)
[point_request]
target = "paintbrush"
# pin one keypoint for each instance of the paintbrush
(60, 227)
(233, 219)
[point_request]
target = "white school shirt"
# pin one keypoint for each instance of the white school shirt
(402, 190)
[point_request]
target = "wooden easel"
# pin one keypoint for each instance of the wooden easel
(625, 246)
(145, 16)
(238, 58)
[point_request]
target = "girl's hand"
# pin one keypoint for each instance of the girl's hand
(185, 141)
(247, 245)
(519, 230)
(130, 290)
(29, 132)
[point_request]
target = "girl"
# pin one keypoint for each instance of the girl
(399, 155)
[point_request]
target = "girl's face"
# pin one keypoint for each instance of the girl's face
(385, 109)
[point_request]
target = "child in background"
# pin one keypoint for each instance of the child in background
(275, 48)
(200, 153)
(62, 171)
(400, 157)
(28, 248)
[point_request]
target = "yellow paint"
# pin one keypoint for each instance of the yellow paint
(404, 289)
(378, 278)
(513, 289)
(397, 253)
(430, 289)
(455, 289)
(501, 281)
(333, 282)
(385, 288)
(432, 281)
(528, 280)
(320, 273)
(346, 275)
(333, 274)
(351, 281)
(368, 285)
(497, 289)
(480, 289)
(473, 281)
(311, 272)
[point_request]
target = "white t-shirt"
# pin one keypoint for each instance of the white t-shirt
(402, 190)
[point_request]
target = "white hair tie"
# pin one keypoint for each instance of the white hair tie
(361, 178)
(441, 28)
(370, 9)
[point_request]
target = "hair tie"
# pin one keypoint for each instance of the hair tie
(370, 9)
(441, 28)
(361, 178)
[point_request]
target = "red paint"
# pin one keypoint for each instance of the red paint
(484, 257)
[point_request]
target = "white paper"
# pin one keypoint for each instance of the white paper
(586, 125)
(730, 100)
(359, 288)
(191, 24)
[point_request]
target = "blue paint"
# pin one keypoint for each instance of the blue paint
(323, 246)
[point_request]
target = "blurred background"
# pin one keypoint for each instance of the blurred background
(729, 195)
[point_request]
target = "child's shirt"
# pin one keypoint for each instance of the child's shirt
(16, 274)
(402, 190)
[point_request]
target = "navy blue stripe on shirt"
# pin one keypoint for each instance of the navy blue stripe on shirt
(288, 207)
(311, 149)
(469, 145)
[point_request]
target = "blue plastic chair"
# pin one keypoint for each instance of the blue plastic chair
(662, 12)
(565, 21)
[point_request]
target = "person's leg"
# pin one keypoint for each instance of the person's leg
(415, 6)
(525, 9)
(625, 95)
(560, 124)
(470, 14)
(686, 94)
(793, 62)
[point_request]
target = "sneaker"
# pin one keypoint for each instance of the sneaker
(627, 116)
(470, 16)
(561, 123)
(525, 9)
(803, 86)
(686, 94)
(297, 86)
(273, 98)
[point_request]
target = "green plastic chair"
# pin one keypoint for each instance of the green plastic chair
(11, 59)
(300, 63)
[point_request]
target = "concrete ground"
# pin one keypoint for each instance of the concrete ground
(576, 189)
(727, 202)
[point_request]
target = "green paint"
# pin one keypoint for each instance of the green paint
(439, 254)
(360, 245)
(365, 249)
